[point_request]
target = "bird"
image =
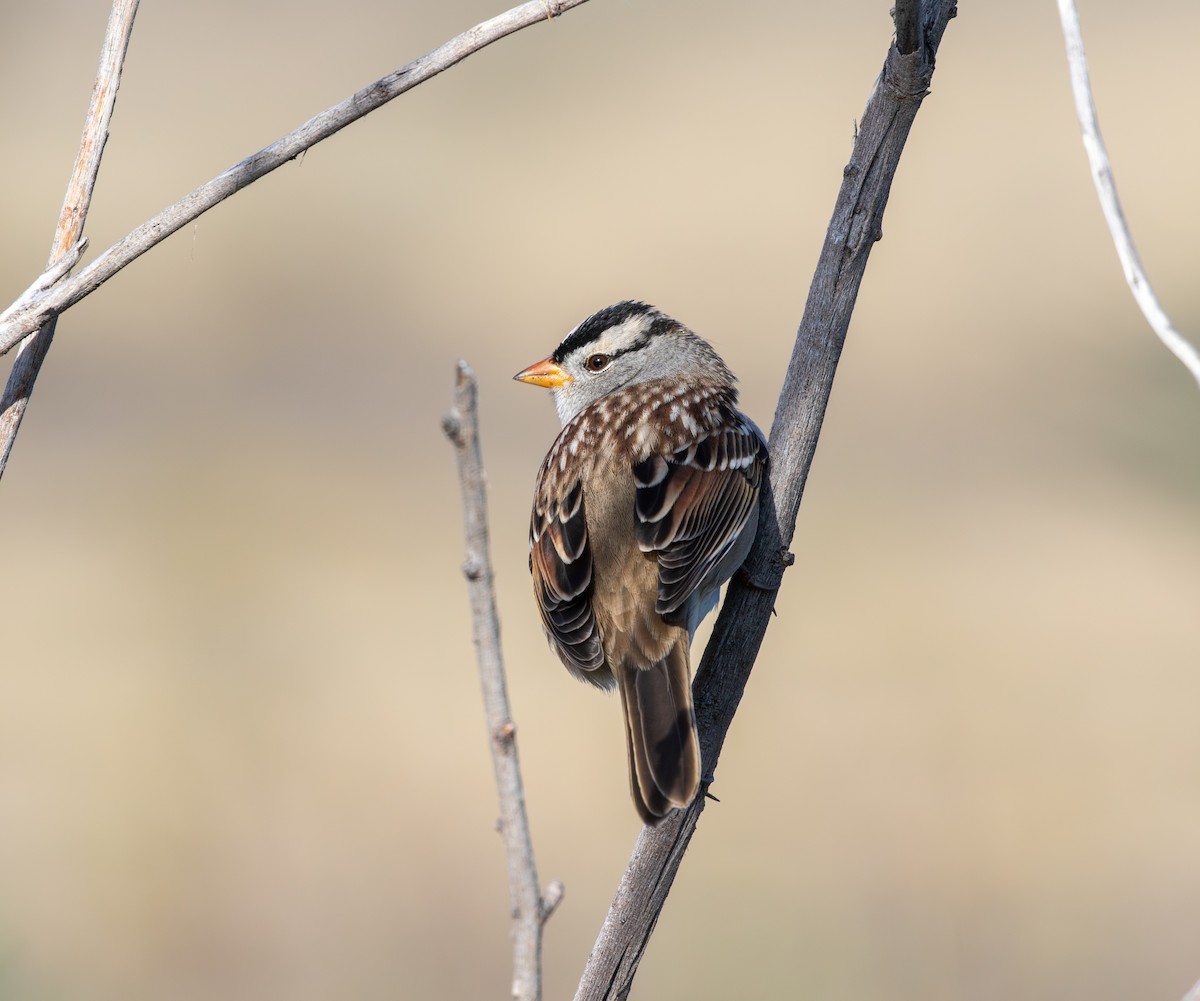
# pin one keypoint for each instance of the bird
(645, 504)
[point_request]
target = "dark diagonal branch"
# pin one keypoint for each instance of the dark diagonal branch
(529, 908)
(67, 236)
(727, 662)
(29, 313)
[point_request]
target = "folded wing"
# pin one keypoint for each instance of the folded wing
(692, 506)
(561, 563)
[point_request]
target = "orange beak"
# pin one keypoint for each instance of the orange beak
(544, 373)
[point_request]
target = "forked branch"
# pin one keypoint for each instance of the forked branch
(26, 317)
(68, 241)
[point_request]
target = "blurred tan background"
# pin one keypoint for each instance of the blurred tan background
(242, 754)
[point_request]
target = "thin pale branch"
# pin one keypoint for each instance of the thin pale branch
(1106, 190)
(23, 320)
(68, 244)
(746, 612)
(530, 909)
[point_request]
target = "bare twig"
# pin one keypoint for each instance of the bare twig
(729, 657)
(1106, 189)
(68, 244)
(29, 317)
(530, 909)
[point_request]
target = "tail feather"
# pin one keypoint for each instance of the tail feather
(660, 731)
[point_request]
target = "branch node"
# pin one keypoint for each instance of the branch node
(551, 899)
(505, 733)
(768, 573)
(69, 259)
(907, 75)
(44, 282)
(452, 427)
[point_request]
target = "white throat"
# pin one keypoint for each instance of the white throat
(566, 407)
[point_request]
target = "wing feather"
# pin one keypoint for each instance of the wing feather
(560, 560)
(693, 504)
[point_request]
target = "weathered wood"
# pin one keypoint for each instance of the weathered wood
(746, 612)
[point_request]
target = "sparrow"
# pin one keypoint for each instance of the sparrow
(646, 503)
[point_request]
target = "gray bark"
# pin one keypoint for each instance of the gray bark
(728, 659)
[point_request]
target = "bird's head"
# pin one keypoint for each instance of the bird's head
(621, 345)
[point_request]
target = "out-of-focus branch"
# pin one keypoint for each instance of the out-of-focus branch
(729, 657)
(67, 244)
(1110, 203)
(25, 317)
(530, 909)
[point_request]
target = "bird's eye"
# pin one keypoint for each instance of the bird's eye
(596, 363)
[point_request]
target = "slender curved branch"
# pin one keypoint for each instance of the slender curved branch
(1110, 203)
(25, 317)
(68, 243)
(530, 910)
(745, 614)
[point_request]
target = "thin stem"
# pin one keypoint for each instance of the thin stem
(530, 909)
(1110, 203)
